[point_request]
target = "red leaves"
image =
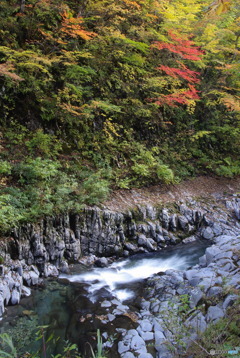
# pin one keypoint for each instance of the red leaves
(186, 74)
(184, 48)
(178, 97)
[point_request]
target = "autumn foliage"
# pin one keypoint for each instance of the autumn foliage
(183, 49)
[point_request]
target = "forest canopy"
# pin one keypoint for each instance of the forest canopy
(109, 94)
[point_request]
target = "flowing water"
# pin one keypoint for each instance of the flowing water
(77, 304)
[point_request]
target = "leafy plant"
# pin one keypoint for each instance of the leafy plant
(7, 344)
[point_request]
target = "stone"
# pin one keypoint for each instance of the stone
(2, 309)
(189, 239)
(106, 304)
(15, 297)
(214, 291)
(229, 301)
(145, 325)
(146, 336)
(195, 297)
(128, 355)
(211, 252)
(183, 223)
(30, 278)
(160, 239)
(214, 313)
(130, 247)
(101, 262)
(173, 224)
(111, 317)
(207, 233)
(145, 242)
(50, 270)
(197, 322)
(137, 343)
(64, 268)
(145, 355)
(123, 347)
(26, 291)
(165, 219)
(203, 261)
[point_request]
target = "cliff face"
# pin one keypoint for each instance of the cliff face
(45, 248)
(101, 233)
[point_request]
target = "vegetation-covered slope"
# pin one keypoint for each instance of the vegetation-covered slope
(99, 94)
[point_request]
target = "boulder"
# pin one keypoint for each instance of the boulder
(214, 313)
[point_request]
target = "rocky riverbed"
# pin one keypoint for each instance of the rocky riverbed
(100, 236)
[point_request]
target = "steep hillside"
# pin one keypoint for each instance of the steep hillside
(99, 95)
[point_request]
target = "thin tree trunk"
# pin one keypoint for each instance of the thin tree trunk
(22, 6)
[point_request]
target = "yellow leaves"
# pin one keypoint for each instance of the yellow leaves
(219, 7)
(182, 13)
(110, 130)
(75, 110)
(5, 70)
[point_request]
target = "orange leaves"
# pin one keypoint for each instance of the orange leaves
(69, 28)
(72, 27)
(5, 69)
(232, 103)
(132, 4)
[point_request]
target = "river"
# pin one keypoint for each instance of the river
(74, 306)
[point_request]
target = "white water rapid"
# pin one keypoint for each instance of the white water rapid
(123, 273)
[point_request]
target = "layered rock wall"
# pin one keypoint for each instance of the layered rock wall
(45, 248)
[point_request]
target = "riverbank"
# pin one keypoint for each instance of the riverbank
(46, 248)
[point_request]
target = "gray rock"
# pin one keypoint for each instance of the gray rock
(189, 239)
(183, 223)
(50, 270)
(15, 297)
(2, 309)
(145, 355)
(101, 262)
(145, 325)
(173, 225)
(214, 313)
(203, 261)
(207, 233)
(31, 278)
(128, 355)
(211, 253)
(123, 347)
(160, 239)
(214, 291)
(195, 297)
(146, 242)
(146, 336)
(165, 218)
(217, 229)
(229, 301)
(130, 247)
(197, 322)
(111, 317)
(106, 304)
(26, 291)
(138, 343)
(64, 268)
